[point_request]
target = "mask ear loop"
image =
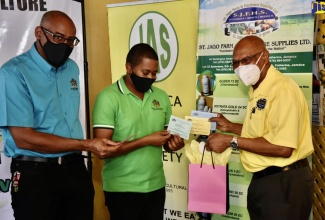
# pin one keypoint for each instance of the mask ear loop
(203, 156)
(259, 60)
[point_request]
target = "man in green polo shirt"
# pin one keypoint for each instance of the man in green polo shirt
(133, 176)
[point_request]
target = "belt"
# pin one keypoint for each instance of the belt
(59, 160)
(273, 169)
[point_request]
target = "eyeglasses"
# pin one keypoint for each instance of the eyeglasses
(244, 61)
(58, 38)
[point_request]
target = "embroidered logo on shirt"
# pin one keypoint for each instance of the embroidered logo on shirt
(74, 85)
(260, 104)
(156, 103)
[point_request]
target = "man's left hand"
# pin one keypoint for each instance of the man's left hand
(218, 142)
(175, 143)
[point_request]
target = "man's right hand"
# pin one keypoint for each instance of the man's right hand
(103, 147)
(158, 138)
(224, 125)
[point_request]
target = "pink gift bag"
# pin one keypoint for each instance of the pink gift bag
(208, 188)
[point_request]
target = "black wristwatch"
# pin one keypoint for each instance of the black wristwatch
(233, 143)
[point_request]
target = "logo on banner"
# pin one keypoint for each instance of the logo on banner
(317, 7)
(154, 29)
(256, 19)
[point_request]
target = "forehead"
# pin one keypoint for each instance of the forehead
(240, 53)
(244, 49)
(149, 64)
(60, 24)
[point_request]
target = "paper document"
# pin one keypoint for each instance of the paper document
(200, 126)
(179, 126)
(200, 114)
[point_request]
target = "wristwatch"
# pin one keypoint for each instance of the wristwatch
(233, 143)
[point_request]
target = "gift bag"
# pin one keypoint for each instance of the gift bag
(208, 188)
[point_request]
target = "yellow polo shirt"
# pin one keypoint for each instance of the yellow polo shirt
(277, 110)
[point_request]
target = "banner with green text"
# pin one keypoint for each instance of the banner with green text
(287, 29)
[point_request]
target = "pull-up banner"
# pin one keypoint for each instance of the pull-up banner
(18, 20)
(287, 28)
(170, 27)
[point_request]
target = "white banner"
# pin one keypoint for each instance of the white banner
(18, 20)
(221, 25)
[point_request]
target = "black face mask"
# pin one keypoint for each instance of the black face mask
(56, 54)
(142, 84)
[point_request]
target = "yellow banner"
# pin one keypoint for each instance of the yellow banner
(173, 34)
(176, 45)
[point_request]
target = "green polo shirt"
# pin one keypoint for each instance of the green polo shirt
(117, 108)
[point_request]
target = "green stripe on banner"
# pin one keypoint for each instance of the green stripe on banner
(285, 62)
(293, 62)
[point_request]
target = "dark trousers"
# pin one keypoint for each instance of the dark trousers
(49, 191)
(286, 195)
(136, 206)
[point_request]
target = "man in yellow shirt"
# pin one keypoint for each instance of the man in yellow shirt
(274, 139)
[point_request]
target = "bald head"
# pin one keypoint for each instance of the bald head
(250, 44)
(57, 22)
(50, 16)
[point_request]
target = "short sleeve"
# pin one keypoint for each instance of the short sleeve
(16, 108)
(105, 110)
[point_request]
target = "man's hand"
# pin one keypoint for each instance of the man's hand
(218, 142)
(225, 125)
(158, 138)
(222, 123)
(175, 143)
(103, 148)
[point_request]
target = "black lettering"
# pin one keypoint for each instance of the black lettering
(11, 4)
(3, 5)
(177, 102)
(33, 6)
(22, 5)
(42, 4)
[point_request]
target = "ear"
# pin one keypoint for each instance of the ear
(38, 32)
(128, 67)
(266, 55)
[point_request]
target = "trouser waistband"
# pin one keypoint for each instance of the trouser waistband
(59, 160)
(274, 169)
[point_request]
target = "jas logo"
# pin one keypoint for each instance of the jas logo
(155, 29)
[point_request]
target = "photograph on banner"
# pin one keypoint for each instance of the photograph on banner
(18, 22)
(174, 40)
(221, 25)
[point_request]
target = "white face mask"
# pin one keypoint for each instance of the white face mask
(250, 73)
